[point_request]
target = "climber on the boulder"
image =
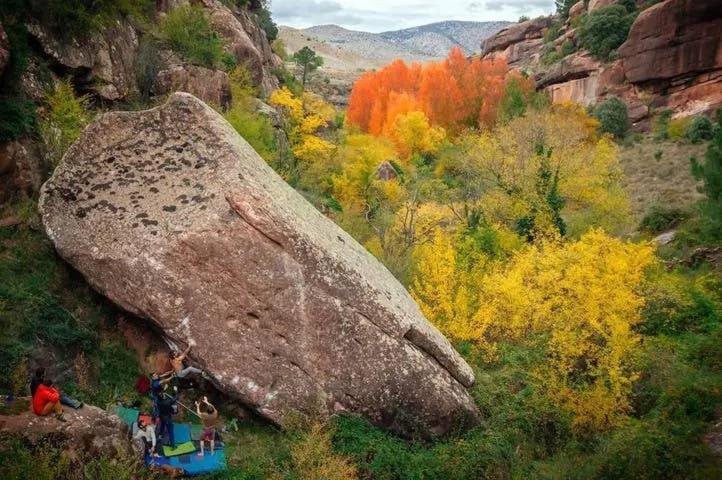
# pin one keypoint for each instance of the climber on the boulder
(209, 417)
(176, 360)
(47, 400)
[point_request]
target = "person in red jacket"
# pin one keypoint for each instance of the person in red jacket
(47, 400)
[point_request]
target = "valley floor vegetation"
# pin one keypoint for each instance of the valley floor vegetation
(597, 354)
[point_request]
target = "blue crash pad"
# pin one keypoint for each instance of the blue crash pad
(192, 464)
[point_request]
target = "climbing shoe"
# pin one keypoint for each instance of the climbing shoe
(61, 418)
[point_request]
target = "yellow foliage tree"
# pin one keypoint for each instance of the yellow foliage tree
(583, 298)
(307, 115)
(412, 134)
(500, 172)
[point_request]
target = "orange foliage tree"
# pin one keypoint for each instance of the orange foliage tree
(454, 93)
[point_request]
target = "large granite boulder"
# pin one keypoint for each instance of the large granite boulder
(174, 217)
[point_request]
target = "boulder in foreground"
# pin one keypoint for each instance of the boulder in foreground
(174, 217)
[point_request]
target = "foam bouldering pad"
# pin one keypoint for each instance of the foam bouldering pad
(129, 415)
(181, 433)
(180, 449)
(193, 464)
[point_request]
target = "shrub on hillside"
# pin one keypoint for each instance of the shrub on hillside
(658, 219)
(66, 116)
(188, 31)
(613, 117)
(661, 124)
(677, 128)
(699, 130)
(710, 173)
(605, 29)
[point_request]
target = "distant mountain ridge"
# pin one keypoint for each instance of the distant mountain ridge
(465, 34)
(422, 43)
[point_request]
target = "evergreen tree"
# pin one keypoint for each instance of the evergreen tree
(307, 59)
(710, 173)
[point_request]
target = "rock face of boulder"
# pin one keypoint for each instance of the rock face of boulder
(89, 430)
(174, 217)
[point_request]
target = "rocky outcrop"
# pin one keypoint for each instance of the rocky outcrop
(174, 217)
(89, 430)
(672, 58)
(4, 49)
(246, 42)
(519, 44)
(102, 63)
(674, 50)
(513, 34)
(211, 86)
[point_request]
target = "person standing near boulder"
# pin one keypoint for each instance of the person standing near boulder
(166, 404)
(209, 417)
(47, 400)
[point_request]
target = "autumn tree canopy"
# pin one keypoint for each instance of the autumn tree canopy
(453, 94)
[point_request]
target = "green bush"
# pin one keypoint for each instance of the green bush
(279, 48)
(17, 117)
(66, 117)
(188, 31)
(677, 128)
(568, 48)
(710, 173)
(553, 32)
(263, 17)
(612, 116)
(605, 29)
(659, 219)
(77, 17)
(699, 130)
(660, 124)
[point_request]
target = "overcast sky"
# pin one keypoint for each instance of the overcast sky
(381, 15)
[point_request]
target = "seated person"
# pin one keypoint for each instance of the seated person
(146, 433)
(37, 380)
(47, 400)
(209, 417)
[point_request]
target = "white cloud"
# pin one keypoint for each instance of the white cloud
(380, 15)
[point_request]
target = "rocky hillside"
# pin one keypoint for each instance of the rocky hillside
(671, 58)
(121, 58)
